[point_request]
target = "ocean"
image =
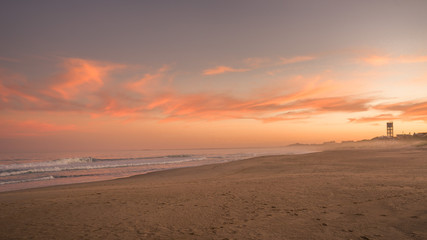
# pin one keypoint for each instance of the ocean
(41, 169)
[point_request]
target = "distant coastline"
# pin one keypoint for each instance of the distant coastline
(403, 140)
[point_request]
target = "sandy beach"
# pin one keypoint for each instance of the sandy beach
(337, 194)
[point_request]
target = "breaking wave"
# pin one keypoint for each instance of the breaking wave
(72, 160)
(86, 163)
(28, 180)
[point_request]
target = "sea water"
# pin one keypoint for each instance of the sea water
(31, 170)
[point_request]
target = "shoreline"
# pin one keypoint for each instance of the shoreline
(55, 178)
(146, 173)
(334, 194)
(330, 148)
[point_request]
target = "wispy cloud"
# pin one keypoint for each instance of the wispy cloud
(14, 88)
(380, 60)
(410, 110)
(267, 109)
(289, 116)
(256, 63)
(6, 59)
(377, 60)
(377, 118)
(223, 69)
(296, 59)
(81, 75)
(307, 108)
(83, 87)
(142, 85)
(92, 87)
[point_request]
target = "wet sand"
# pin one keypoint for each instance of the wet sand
(341, 194)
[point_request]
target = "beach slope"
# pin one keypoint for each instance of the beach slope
(341, 194)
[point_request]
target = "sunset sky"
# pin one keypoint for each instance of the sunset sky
(99, 75)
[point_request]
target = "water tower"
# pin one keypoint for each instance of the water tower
(390, 129)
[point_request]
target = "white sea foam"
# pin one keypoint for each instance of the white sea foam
(81, 164)
(72, 160)
(27, 180)
(64, 161)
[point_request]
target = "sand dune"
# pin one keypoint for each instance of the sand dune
(341, 194)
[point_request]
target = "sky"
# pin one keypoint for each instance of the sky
(129, 75)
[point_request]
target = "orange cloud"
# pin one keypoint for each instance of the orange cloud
(309, 89)
(257, 62)
(296, 59)
(82, 75)
(153, 96)
(377, 60)
(410, 110)
(7, 92)
(202, 106)
(13, 88)
(222, 106)
(289, 116)
(223, 69)
(285, 107)
(377, 118)
(337, 104)
(149, 81)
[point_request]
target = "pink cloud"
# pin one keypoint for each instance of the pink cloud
(410, 110)
(149, 81)
(81, 75)
(377, 60)
(296, 59)
(223, 69)
(289, 116)
(286, 107)
(377, 118)
(15, 88)
(338, 104)
(152, 96)
(254, 63)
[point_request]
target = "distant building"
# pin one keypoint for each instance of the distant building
(404, 136)
(390, 133)
(381, 138)
(423, 134)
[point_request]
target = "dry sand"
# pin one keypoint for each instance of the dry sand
(343, 194)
